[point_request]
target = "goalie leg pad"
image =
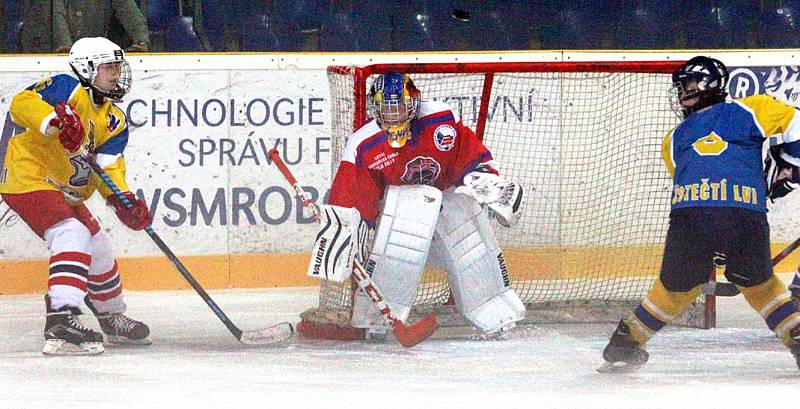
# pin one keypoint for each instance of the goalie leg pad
(476, 268)
(398, 255)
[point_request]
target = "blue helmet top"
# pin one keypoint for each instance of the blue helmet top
(393, 87)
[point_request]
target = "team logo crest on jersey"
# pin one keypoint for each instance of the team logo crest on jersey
(113, 122)
(421, 170)
(444, 137)
(80, 175)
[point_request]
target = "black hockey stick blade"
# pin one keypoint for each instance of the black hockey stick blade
(720, 289)
(273, 334)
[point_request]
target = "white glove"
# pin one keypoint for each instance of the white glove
(502, 197)
(508, 206)
(481, 186)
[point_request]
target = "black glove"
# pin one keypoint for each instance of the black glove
(781, 176)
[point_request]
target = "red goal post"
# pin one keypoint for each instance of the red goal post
(584, 140)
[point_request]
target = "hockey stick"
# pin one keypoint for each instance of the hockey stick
(273, 334)
(407, 335)
(730, 290)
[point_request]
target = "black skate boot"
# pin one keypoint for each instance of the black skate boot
(64, 333)
(795, 346)
(795, 291)
(623, 353)
(121, 329)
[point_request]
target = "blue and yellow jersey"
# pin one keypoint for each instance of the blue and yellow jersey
(36, 161)
(715, 155)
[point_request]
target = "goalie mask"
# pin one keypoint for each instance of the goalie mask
(393, 102)
(699, 83)
(101, 66)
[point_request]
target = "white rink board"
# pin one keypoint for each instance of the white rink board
(198, 150)
(176, 117)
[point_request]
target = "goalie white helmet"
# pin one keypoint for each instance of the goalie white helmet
(87, 56)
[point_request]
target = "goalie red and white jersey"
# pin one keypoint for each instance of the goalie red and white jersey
(439, 152)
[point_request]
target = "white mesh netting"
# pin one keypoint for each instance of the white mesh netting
(586, 146)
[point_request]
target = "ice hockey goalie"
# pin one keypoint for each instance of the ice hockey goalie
(410, 190)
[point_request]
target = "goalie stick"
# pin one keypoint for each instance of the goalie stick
(273, 334)
(407, 335)
(729, 290)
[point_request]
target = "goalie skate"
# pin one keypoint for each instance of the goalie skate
(623, 354)
(64, 333)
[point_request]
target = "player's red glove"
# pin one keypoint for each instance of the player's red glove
(71, 128)
(137, 217)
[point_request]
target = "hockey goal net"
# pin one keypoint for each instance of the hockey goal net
(584, 139)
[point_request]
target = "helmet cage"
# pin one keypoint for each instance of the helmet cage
(393, 99)
(703, 78)
(86, 57)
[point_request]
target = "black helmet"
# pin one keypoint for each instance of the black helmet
(710, 79)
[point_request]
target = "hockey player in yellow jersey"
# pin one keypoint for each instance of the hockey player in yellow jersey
(45, 178)
(718, 215)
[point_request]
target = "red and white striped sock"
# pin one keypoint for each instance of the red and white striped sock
(67, 284)
(70, 259)
(105, 285)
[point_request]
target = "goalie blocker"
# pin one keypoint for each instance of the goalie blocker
(342, 238)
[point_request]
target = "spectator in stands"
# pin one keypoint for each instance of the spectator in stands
(72, 20)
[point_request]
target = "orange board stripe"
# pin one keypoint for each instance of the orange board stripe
(289, 269)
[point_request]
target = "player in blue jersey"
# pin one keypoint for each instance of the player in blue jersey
(718, 214)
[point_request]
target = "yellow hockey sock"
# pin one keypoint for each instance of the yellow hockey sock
(774, 303)
(658, 308)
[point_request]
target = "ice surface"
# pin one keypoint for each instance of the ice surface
(195, 362)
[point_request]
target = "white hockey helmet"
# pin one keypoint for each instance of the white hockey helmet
(88, 53)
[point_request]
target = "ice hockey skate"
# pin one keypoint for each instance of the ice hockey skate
(121, 329)
(794, 290)
(64, 333)
(623, 354)
(794, 347)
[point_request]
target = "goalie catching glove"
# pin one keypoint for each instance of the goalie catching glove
(502, 197)
(782, 176)
(342, 238)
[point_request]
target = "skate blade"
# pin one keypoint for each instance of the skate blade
(618, 367)
(122, 341)
(62, 347)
